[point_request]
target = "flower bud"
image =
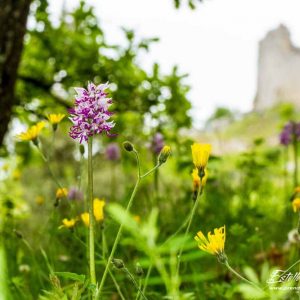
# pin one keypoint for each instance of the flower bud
(81, 149)
(139, 270)
(118, 263)
(164, 154)
(128, 146)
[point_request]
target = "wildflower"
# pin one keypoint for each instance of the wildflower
(98, 209)
(214, 243)
(90, 114)
(289, 133)
(128, 146)
(112, 152)
(55, 119)
(137, 218)
(297, 189)
(61, 193)
(197, 181)
(39, 200)
(5, 167)
(32, 132)
(23, 268)
(118, 263)
(139, 272)
(296, 204)
(75, 194)
(200, 153)
(157, 143)
(164, 154)
(16, 175)
(68, 223)
(85, 217)
(98, 212)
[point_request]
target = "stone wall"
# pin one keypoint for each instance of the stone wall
(278, 70)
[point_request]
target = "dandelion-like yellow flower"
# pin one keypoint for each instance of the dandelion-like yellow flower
(200, 153)
(164, 154)
(68, 223)
(54, 119)
(32, 132)
(85, 217)
(16, 175)
(297, 189)
(98, 209)
(137, 218)
(214, 243)
(196, 179)
(61, 193)
(296, 204)
(39, 200)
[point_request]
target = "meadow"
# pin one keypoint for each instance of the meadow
(108, 192)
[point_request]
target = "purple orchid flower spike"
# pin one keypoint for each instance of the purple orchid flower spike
(90, 114)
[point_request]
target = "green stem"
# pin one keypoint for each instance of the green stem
(295, 145)
(240, 276)
(118, 236)
(150, 171)
(191, 217)
(117, 239)
(147, 278)
(91, 212)
(48, 167)
(134, 282)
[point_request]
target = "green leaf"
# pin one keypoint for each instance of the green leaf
(69, 275)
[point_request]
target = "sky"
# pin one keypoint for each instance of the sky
(216, 44)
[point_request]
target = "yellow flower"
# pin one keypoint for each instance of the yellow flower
(61, 193)
(16, 175)
(196, 179)
(98, 209)
(297, 189)
(32, 132)
(296, 204)
(39, 200)
(68, 223)
(137, 218)
(214, 243)
(85, 217)
(55, 118)
(200, 153)
(164, 154)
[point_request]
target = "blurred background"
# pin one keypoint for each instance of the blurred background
(220, 72)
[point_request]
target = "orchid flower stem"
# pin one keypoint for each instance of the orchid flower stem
(91, 213)
(191, 217)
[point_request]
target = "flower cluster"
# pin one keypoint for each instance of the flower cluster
(85, 218)
(90, 113)
(289, 132)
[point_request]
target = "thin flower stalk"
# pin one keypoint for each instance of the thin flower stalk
(91, 213)
(190, 220)
(162, 158)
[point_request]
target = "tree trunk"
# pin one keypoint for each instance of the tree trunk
(13, 18)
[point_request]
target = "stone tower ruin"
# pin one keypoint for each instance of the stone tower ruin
(278, 70)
